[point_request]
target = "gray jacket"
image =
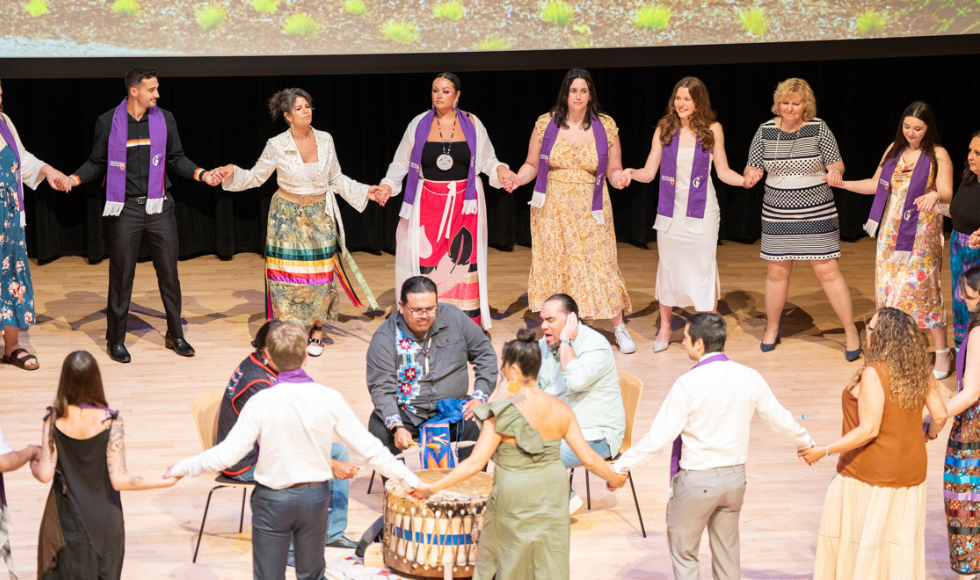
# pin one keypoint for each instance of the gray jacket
(455, 340)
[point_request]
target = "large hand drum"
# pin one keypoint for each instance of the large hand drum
(422, 538)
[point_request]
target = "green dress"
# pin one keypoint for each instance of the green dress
(526, 523)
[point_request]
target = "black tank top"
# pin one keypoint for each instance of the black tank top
(83, 470)
(460, 152)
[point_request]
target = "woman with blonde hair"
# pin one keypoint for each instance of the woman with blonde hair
(686, 142)
(799, 154)
(873, 521)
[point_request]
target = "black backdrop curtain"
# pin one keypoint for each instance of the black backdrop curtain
(224, 120)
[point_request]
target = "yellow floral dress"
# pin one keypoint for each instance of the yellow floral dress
(911, 285)
(570, 252)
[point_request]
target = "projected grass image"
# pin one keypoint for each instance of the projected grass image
(80, 28)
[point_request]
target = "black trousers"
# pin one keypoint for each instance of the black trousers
(469, 432)
(125, 234)
(297, 514)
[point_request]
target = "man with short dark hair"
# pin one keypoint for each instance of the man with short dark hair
(258, 372)
(135, 146)
(578, 367)
(708, 411)
(418, 357)
(297, 421)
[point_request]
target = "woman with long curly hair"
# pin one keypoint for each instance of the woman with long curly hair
(961, 475)
(873, 521)
(573, 149)
(914, 177)
(686, 142)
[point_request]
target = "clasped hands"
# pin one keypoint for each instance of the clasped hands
(811, 454)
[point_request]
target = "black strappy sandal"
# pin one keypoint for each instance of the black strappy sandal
(21, 362)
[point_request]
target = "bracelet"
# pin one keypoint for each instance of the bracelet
(834, 169)
(827, 451)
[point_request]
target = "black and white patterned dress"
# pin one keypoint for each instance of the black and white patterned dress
(799, 218)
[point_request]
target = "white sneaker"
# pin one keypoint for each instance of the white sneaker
(574, 503)
(624, 341)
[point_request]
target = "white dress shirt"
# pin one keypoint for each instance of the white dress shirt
(711, 408)
(295, 425)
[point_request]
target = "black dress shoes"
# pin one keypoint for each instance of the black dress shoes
(118, 352)
(179, 345)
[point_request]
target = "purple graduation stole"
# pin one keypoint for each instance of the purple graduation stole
(602, 149)
(961, 362)
(415, 166)
(697, 195)
(675, 453)
(910, 213)
(115, 182)
(8, 136)
(293, 376)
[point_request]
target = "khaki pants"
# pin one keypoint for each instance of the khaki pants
(700, 499)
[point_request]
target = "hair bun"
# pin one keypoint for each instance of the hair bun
(527, 335)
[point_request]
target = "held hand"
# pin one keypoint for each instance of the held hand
(169, 475)
(974, 242)
(751, 177)
(813, 454)
(403, 439)
(59, 181)
(343, 469)
(420, 493)
(212, 177)
(508, 179)
(833, 178)
(618, 481)
(926, 203)
(625, 178)
(468, 408)
(570, 330)
(374, 193)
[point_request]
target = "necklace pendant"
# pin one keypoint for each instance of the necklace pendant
(444, 162)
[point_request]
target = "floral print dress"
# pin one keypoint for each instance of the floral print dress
(571, 253)
(961, 488)
(16, 291)
(911, 284)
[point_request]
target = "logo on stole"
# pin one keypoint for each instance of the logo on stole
(118, 164)
(908, 215)
(697, 181)
(156, 160)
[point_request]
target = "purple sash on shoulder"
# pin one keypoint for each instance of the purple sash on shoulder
(415, 166)
(910, 213)
(8, 136)
(675, 453)
(115, 182)
(293, 376)
(697, 196)
(961, 362)
(602, 149)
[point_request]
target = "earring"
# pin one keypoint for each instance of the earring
(513, 387)
(456, 104)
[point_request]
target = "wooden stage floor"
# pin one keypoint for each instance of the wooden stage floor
(223, 307)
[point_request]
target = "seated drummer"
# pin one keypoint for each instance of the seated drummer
(418, 357)
(258, 372)
(578, 367)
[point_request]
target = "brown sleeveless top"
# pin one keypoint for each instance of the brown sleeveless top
(897, 456)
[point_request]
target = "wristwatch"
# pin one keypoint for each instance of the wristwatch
(394, 428)
(565, 341)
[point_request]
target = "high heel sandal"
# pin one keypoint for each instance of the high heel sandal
(771, 346)
(939, 374)
(853, 355)
(315, 348)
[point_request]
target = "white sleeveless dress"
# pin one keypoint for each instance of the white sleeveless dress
(687, 273)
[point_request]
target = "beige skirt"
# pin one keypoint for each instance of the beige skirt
(871, 533)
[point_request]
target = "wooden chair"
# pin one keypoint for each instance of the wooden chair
(631, 389)
(205, 412)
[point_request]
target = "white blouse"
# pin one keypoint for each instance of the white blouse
(30, 166)
(282, 156)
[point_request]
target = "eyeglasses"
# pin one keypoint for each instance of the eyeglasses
(422, 312)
